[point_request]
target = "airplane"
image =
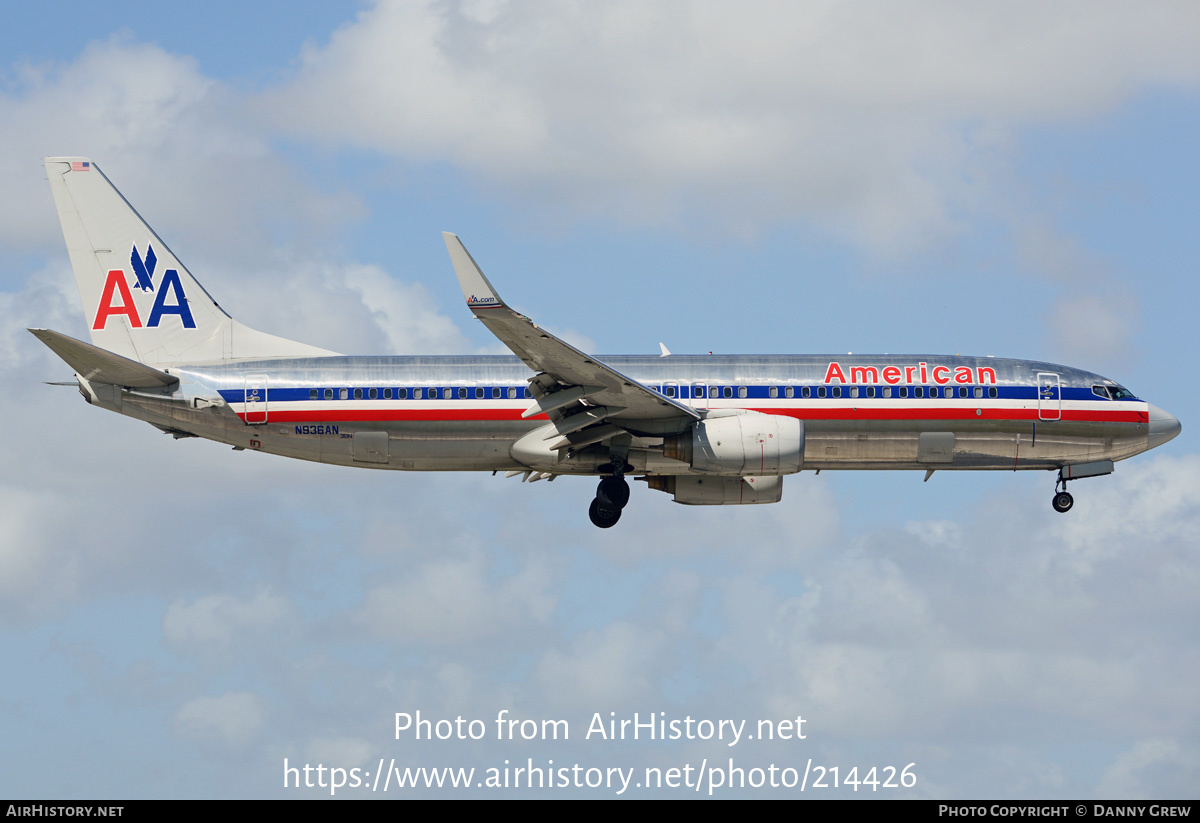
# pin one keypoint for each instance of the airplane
(708, 429)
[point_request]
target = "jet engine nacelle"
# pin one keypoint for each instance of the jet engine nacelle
(692, 490)
(746, 443)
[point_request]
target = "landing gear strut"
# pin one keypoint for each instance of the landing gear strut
(611, 496)
(1062, 500)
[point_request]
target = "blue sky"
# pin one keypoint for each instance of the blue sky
(997, 178)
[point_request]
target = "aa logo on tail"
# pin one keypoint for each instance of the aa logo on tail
(117, 297)
(143, 270)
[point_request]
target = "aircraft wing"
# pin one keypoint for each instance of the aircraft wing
(97, 365)
(567, 377)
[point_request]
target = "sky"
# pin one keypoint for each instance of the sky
(1014, 179)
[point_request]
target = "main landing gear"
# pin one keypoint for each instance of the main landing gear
(1062, 500)
(611, 496)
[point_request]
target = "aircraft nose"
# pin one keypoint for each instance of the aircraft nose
(1163, 426)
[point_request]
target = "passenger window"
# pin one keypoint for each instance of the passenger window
(670, 391)
(329, 394)
(837, 391)
(979, 391)
(773, 391)
(373, 394)
(854, 391)
(495, 393)
(962, 391)
(805, 392)
(993, 392)
(343, 394)
(741, 391)
(358, 394)
(528, 393)
(870, 391)
(904, 391)
(790, 392)
(918, 392)
(447, 394)
(312, 394)
(712, 392)
(820, 391)
(478, 394)
(402, 394)
(887, 391)
(462, 394)
(512, 393)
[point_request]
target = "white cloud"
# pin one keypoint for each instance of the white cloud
(1153, 768)
(405, 313)
(232, 720)
(348, 307)
(871, 120)
(1094, 329)
(1040, 628)
(341, 749)
(1095, 320)
(35, 565)
(1146, 517)
(122, 103)
(211, 625)
(612, 667)
(460, 598)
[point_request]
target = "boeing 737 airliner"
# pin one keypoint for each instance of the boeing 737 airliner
(709, 430)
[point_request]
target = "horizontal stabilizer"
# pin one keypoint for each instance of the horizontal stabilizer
(97, 365)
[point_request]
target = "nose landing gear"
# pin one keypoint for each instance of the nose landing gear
(1062, 500)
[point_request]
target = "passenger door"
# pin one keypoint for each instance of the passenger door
(1049, 396)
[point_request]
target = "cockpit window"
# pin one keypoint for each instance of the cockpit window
(1120, 393)
(1100, 391)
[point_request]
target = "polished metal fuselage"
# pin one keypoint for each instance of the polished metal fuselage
(1015, 414)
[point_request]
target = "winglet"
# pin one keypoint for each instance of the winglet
(475, 287)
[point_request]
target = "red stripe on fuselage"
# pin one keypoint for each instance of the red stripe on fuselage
(922, 413)
(933, 413)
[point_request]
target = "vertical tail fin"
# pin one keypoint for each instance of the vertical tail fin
(139, 300)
